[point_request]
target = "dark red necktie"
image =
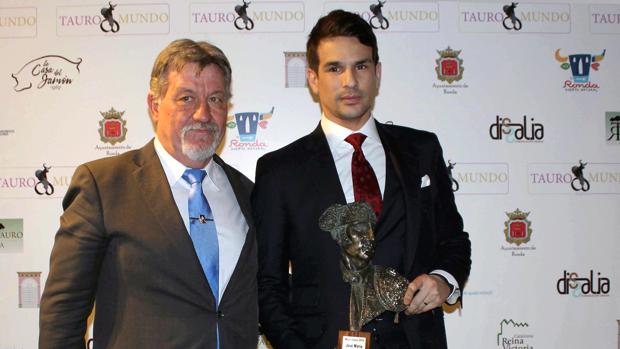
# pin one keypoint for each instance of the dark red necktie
(365, 184)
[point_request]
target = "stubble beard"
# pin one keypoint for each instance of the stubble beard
(343, 111)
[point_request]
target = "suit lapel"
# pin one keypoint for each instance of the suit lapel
(241, 193)
(243, 198)
(151, 179)
(321, 170)
(405, 164)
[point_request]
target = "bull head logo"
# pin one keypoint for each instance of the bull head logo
(580, 64)
(247, 123)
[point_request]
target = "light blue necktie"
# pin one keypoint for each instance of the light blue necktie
(202, 229)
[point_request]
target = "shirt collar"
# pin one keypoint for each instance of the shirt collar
(336, 134)
(174, 169)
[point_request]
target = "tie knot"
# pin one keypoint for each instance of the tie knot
(356, 140)
(194, 175)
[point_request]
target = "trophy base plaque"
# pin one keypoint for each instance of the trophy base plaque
(353, 340)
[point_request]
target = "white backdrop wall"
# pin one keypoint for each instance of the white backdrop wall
(553, 286)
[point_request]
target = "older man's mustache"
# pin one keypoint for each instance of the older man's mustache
(208, 126)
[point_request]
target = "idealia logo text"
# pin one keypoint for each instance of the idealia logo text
(509, 131)
(592, 285)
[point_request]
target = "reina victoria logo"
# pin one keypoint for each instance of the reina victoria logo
(51, 71)
(513, 335)
(593, 285)
(449, 69)
(247, 125)
(112, 130)
(580, 65)
(525, 132)
(518, 231)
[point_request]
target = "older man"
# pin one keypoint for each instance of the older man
(161, 237)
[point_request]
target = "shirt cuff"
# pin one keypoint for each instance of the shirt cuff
(456, 291)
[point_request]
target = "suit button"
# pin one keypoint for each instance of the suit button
(219, 314)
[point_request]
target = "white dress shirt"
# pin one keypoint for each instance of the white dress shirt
(342, 152)
(229, 220)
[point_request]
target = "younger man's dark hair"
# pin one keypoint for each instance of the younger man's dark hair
(340, 23)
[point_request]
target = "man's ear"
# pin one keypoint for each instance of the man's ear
(313, 81)
(153, 104)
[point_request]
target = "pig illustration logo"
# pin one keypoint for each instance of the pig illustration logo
(52, 71)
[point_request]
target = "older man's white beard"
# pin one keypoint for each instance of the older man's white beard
(201, 152)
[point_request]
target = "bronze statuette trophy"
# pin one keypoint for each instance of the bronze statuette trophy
(374, 288)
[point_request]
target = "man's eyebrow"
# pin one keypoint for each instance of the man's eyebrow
(216, 92)
(338, 63)
(332, 63)
(184, 90)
